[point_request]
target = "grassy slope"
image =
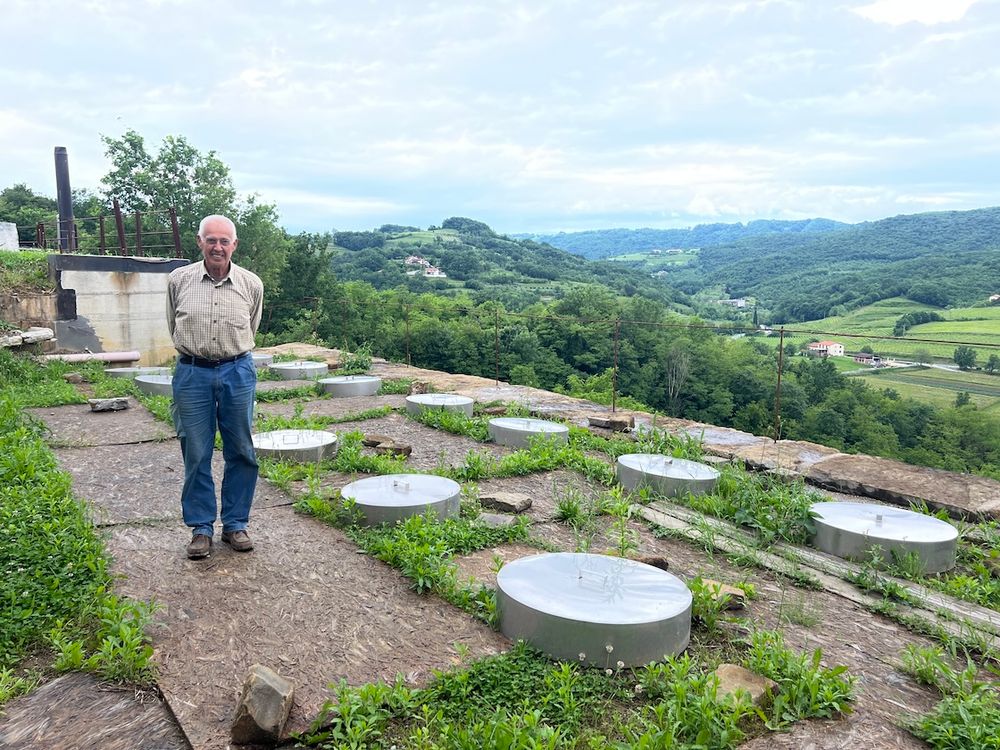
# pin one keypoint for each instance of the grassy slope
(873, 322)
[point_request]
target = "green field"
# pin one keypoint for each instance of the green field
(872, 325)
(939, 387)
(651, 262)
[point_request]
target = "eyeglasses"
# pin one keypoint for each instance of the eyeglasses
(222, 241)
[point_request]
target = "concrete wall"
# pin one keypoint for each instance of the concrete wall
(111, 303)
(8, 236)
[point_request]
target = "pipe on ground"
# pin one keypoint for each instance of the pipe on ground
(95, 356)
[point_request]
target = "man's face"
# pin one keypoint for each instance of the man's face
(217, 244)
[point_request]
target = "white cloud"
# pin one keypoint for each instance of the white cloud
(926, 12)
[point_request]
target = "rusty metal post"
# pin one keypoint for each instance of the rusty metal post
(175, 230)
(120, 226)
(777, 387)
(76, 237)
(496, 344)
(103, 240)
(406, 317)
(614, 371)
(64, 199)
(138, 234)
(40, 235)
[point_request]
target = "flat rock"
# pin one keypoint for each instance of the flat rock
(616, 423)
(392, 448)
(117, 403)
(737, 597)
(961, 495)
(733, 677)
(263, 707)
(507, 502)
(371, 439)
(419, 386)
(34, 335)
(11, 339)
(789, 455)
(73, 377)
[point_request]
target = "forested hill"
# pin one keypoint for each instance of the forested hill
(487, 265)
(604, 243)
(942, 258)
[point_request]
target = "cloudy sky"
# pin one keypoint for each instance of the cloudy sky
(532, 116)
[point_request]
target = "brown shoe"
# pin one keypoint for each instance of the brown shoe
(238, 540)
(199, 547)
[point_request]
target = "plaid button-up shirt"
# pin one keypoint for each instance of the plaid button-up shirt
(210, 319)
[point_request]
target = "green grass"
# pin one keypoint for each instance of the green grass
(874, 324)
(25, 271)
(939, 387)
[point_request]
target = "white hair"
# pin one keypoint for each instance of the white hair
(215, 217)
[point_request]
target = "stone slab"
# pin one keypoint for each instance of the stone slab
(961, 495)
(78, 712)
(77, 425)
(787, 455)
(141, 485)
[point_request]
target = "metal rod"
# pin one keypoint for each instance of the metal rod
(138, 234)
(614, 371)
(120, 226)
(406, 310)
(496, 343)
(64, 199)
(103, 246)
(777, 387)
(176, 232)
(40, 235)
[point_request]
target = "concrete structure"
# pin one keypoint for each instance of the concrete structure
(8, 236)
(110, 303)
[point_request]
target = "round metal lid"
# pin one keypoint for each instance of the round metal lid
(157, 379)
(656, 464)
(350, 379)
(526, 424)
(402, 490)
(594, 588)
(292, 439)
(439, 399)
(300, 364)
(884, 522)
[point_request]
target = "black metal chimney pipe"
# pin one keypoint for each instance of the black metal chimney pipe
(64, 198)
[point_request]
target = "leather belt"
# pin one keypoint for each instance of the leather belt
(187, 359)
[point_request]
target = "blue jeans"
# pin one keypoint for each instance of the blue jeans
(206, 399)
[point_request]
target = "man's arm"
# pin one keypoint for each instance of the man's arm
(258, 312)
(171, 306)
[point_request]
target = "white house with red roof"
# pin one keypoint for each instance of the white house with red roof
(826, 349)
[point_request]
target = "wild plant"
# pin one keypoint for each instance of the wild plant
(806, 689)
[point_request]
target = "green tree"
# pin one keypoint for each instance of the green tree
(965, 357)
(196, 185)
(992, 364)
(963, 399)
(22, 206)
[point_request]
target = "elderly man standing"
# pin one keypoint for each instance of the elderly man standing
(213, 311)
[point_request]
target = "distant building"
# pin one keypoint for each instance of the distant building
(872, 360)
(826, 349)
(739, 303)
(434, 272)
(994, 299)
(416, 260)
